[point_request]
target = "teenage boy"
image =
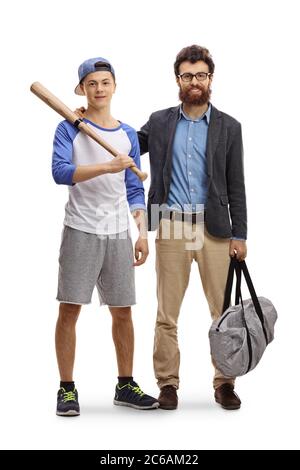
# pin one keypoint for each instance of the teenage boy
(96, 248)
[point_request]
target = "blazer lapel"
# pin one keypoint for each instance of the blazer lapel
(213, 135)
(171, 128)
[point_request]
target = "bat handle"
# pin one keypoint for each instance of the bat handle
(140, 174)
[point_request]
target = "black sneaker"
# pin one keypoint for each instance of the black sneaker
(131, 395)
(67, 403)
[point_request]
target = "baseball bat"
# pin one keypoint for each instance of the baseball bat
(45, 95)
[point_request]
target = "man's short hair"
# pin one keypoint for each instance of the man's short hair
(193, 54)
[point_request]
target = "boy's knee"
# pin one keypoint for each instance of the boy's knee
(68, 313)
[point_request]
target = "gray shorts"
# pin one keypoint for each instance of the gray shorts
(87, 260)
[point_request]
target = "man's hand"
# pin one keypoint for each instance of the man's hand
(119, 163)
(238, 248)
(141, 248)
(80, 112)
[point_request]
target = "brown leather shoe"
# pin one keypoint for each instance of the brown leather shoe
(227, 398)
(168, 399)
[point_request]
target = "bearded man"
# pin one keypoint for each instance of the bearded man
(197, 203)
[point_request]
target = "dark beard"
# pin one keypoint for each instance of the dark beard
(186, 97)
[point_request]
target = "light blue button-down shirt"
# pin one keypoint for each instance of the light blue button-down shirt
(189, 183)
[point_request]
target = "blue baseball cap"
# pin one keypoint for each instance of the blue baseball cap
(98, 64)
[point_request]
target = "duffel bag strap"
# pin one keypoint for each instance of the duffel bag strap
(234, 266)
(254, 298)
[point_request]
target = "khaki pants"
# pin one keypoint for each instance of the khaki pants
(177, 245)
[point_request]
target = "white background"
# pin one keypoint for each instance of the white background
(255, 46)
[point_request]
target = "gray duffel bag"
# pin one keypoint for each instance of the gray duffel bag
(239, 337)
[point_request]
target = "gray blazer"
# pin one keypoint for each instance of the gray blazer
(226, 213)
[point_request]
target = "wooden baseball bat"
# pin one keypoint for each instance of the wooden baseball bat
(45, 95)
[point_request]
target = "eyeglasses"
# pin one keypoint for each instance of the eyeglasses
(200, 76)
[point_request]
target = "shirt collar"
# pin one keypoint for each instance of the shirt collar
(206, 115)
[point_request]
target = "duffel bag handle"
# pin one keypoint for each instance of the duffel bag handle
(240, 267)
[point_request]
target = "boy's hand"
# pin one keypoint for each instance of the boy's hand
(141, 248)
(119, 163)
